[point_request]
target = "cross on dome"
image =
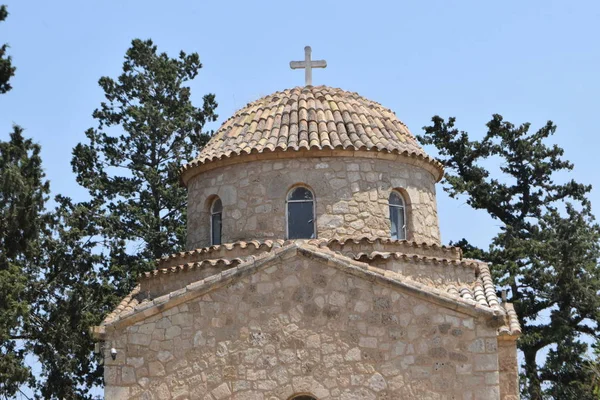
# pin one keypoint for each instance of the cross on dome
(308, 65)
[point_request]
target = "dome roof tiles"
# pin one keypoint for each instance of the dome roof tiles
(311, 118)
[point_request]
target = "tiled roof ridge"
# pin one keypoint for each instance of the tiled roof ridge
(225, 262)
(482, 291)
(384, 240)
(123, 305)
(463, 292)
(473, 291)
(270, 244)
(513, 327)
(487, 282)
(318, 243)
(489, 289)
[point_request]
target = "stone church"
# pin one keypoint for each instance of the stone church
(314, 271)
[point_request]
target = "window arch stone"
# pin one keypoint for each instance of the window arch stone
(216, 221)
(302, 397)
(398, 220)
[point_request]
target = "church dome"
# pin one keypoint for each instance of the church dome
(312, 119)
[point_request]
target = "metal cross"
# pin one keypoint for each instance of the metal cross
(308, 65)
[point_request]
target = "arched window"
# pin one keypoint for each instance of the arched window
(397, 216)
(216, 215)
(300, 214)
(303, 397)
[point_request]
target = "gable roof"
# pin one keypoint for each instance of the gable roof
(132, 309)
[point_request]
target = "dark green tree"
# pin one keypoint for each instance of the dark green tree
(593, 368)
(147, 128)
(52, 284)
(23, 222)
(7, 70)
(72, 293)
(547, 250)
(135, 213)
(61, 271)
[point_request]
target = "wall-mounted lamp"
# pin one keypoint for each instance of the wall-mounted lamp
(113, 353)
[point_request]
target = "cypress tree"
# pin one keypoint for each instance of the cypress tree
(7, 69)
(23, 222)
(147, 128)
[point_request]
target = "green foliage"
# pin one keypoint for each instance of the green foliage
(593, 368)
(23, 193)
(547, 250)
(132, 172)
(136, 211)
(51, 286)
(7, 70)
(62, 271)
(51, 290)
(71, 294)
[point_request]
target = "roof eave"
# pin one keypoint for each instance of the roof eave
(198, 166)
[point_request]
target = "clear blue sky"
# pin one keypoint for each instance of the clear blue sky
(527, 60)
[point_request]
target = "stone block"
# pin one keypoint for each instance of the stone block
(486, 362)
(368, 342)
(155, 368)
(222, 391)
(116, 393)
(172, 331)
(128, 375)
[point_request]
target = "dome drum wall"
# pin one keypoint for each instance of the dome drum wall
(351, 195)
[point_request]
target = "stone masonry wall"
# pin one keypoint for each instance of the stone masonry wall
(303, 327)
(351, 198)
(509, 369)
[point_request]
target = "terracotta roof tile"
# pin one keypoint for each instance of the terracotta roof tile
(228, 250)
(375, 255)
(223, 262)
(128, 303)
(352, 247)
(513, 320)
(357, 245)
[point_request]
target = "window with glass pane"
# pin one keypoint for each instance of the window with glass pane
(300, 214)
(397, 216)
(216, 214)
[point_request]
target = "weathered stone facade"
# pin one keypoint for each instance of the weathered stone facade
(297, 325)
(351, 314)
(351, 198)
